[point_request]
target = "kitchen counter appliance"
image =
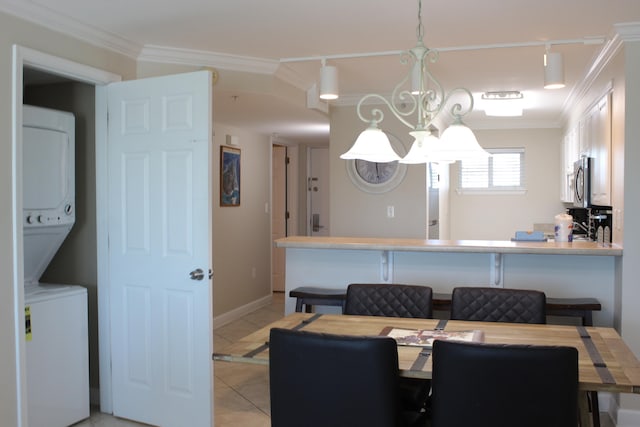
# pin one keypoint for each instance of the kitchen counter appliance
(582, 182)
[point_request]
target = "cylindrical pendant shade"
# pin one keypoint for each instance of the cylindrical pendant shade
(417, 85)
(553, 70)
(328, 82)
(372, 145)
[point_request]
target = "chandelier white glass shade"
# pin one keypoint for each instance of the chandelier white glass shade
(424, 144)
(458, 143)
(373, 146)
(419, 96)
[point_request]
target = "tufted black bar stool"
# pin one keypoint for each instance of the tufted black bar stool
(498, 305)
(310, 296)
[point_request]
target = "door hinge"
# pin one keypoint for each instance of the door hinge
(287, 160)
(286, 215)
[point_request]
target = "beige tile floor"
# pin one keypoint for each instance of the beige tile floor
(241, 391)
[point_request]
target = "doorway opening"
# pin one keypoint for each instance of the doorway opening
(52, 82)
(318, 192)
(284, 205)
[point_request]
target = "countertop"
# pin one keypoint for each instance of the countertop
(462, 246)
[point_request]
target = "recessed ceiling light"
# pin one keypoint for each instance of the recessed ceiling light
(506, 103)
(503, 95)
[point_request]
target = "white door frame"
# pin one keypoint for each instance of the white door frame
(22, 57)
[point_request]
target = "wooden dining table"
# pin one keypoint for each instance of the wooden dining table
(605, 362)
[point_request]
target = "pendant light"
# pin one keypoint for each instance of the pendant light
(426, 99)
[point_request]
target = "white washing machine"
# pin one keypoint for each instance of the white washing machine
(57, 346)
(57, 355)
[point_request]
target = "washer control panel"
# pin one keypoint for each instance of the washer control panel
(66, 215)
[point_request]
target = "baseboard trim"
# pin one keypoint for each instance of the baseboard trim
(239, 312)
(621, 417)
(627, 418)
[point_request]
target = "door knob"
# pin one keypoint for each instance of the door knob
(196, 274)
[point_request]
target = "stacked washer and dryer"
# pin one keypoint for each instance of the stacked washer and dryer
(56, 345)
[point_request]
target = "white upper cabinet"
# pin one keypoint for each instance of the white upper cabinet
(591, 137)
(601, 152)
(570, 153)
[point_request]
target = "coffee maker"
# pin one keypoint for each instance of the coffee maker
(600, 224)
(594, 223)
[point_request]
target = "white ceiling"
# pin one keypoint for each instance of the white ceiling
(247, 35)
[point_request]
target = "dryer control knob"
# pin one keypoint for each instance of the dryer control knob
(30, 219)
(41, 219)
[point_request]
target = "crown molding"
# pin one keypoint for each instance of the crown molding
(223, 61)
(622, 33)
(287, 75)
(52, 20)
(628, 32)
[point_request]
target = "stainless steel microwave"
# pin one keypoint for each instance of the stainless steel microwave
(582, 182)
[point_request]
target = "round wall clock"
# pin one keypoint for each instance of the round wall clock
(373, 177)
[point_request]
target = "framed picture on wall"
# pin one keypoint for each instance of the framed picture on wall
(229, 176)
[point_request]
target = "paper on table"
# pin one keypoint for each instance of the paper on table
(426, 337)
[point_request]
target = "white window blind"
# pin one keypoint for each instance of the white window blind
(502, 172)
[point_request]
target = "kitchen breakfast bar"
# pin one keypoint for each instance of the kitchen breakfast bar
(577, 269)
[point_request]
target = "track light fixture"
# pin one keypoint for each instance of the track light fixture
(553, 69)
(328, 81)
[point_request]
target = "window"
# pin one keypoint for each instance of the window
(502, 172)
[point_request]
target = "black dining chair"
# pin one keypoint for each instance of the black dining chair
(493, 385)
(395, 300)
(507, 305)
(498, 305)
(389, 300)
(320, 380)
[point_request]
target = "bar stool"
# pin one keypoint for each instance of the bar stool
(310, 296)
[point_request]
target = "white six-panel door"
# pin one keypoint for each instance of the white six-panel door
(159, 249)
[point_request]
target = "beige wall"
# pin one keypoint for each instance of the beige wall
(242, 235)
(359, 214)
(498, 217)
(356, 213)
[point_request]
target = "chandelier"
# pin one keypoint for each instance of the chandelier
(419, 97)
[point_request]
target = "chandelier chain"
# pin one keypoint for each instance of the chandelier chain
(420, 28)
